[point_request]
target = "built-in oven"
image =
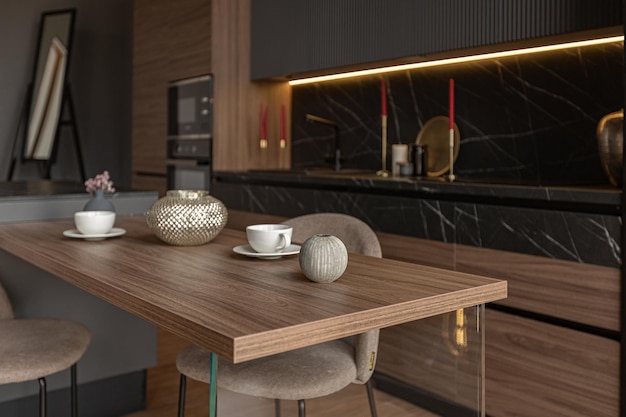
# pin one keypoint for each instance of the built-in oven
(190, 133)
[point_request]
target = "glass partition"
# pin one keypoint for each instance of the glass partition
(436, 363)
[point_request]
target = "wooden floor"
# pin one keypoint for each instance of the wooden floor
(162, 396)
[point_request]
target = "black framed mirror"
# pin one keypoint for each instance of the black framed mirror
(47, 88)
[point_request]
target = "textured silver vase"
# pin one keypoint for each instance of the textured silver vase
(610, 134)
(323, 258)
(187, 217)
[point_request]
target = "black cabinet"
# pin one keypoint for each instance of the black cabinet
(307, 36)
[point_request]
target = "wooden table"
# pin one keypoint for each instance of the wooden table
(237, 307)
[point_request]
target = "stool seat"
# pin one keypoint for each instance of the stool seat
(309, 372)
(35, 348)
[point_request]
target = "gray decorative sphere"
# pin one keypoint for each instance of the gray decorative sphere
(323, 258)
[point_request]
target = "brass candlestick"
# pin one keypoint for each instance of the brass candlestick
(383, 172)
(451, 176)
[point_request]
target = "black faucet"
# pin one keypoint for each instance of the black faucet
(316, 119)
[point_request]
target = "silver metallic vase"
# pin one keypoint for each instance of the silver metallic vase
(610, 134)
(187, 217)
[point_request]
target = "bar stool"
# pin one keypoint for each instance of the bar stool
(305, 373)
(32, 349)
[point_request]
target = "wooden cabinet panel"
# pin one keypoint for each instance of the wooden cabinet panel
(536, 369)
(172, 40)
(582, 293)
(149, 182)
(189, 40)
(238, 100)
(176, 39)
(419, 251)
(150, 35)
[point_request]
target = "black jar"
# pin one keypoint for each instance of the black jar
(419, 157)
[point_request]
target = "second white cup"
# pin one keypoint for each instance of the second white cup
(269, 238)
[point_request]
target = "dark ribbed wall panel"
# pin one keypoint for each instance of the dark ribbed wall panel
(308, 35)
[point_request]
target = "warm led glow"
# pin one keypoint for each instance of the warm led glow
(448, 61)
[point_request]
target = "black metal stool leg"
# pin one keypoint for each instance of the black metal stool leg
(277, 407)
(301, 410)
(42, 397)
(74, 389)
(182, 387)
(370, 396)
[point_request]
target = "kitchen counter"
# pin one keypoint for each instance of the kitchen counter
(583, 198)
(573, 223)
(45, 199)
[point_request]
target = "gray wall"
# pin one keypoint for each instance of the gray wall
(100, 72)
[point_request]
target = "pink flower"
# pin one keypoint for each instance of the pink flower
(100, 182)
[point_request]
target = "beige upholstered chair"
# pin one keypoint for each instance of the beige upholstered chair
(32, 349)
(306, 373)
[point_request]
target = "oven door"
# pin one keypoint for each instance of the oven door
(190, 108)
(188, 175)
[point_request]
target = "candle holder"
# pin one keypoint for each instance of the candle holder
(383, 172)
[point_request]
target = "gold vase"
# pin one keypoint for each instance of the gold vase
(187, 217)
(610, 134)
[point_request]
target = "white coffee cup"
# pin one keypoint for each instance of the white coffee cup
(94, 222)
(269, 238)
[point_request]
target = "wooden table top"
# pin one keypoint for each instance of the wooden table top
(238, 307)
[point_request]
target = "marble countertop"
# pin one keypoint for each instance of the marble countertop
(586, 198)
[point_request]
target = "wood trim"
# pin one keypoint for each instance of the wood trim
(582, 293)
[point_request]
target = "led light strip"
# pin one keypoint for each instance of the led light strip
(448, 61)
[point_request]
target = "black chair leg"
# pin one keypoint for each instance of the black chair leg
(42, 397)
(277, 407)
(370, 396)
(74, 391)
(301, 410)
(181, 395)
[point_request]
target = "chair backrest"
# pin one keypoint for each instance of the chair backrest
(354, 233)
(358, 238)
(6, 310)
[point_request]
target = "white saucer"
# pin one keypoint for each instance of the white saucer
(248, 251)
(116, 231)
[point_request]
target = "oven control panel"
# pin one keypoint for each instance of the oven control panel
(189, 149)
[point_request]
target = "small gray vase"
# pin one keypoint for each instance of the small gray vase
(99, 203)
(323, 258)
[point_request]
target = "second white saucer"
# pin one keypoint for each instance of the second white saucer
(248, 251)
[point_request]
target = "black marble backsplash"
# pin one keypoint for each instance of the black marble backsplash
(528, 119)
(568, 235)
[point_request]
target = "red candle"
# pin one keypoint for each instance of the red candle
(282, 122)
(383, 97)
(451, 103)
